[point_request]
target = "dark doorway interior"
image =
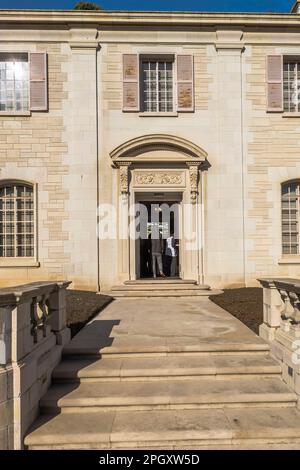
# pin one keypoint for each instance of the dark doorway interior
(154, 222)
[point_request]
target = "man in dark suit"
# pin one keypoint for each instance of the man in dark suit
(156, 251)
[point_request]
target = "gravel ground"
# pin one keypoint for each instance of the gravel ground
(82, 307)
(245, 304)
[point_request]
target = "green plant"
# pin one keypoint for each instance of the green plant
(87, 6)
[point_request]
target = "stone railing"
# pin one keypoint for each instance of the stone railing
(33, 332)
(281, 327)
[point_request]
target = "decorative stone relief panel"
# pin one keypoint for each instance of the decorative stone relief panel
(194, 178)
(124, 177)
(159, 178)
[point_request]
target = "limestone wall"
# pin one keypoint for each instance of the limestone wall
(272, 148)
(55, 151)
(65, 151)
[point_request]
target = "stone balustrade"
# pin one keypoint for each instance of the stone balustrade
(33, 332)
(281, 326)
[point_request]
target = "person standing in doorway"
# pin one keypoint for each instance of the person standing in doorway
(156, 250)
(171, 255)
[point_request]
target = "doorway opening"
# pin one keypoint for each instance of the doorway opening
(158, 251)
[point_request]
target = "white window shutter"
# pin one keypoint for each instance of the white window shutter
(274, 75)
(185, 83)
(38, 82)
(131, 94)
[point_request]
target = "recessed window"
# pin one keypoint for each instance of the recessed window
(291, 85)
(157, 88)
(14, 83)
(16, 221)
(290, 217)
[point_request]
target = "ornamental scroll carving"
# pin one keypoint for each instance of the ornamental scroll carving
(124, 177)
(161, 178)
(194, 176)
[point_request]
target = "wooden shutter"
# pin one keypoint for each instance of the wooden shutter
(274, 72)
(185, 83)
(131, 82)
(38, 82)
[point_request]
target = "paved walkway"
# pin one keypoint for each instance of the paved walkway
(167, 373)
(164, 325)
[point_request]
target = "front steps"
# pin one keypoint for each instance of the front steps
(170, 394)
(240, 428)
(235, 400)
(162, 288)
(165, 368)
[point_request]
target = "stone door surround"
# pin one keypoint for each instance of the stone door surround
(154, 150)
(160, 163)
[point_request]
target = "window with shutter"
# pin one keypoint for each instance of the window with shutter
(149, 83)
(185, 83)
(38, 82)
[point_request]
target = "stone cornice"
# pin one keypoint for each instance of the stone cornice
(134, 18)
(135, 150)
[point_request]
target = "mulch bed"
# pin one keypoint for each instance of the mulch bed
(83, 306)
(245, 304)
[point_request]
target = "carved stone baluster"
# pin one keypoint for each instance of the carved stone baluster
(34, 319)
(296, 303)
(287, 314)
(43, 313)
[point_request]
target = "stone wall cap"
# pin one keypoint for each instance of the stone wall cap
(20, 294)
(278, 282)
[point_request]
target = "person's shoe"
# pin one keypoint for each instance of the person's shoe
(162, 275)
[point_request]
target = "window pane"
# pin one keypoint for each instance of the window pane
(290, 218)
(291, 84)
(14, 82)
(17, 221)
(157, 86)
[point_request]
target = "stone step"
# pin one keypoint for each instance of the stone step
(160, 287)
(160, 281)
(168, 429)
(163, 293)
(164, 368)
(172, 394)
(94, 341)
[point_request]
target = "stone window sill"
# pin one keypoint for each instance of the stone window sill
(19, 263)
(15, 113)
(291, 115)
(158, 114)
(293, 260)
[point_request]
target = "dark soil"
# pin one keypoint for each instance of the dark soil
(82, 307)
(245, 304)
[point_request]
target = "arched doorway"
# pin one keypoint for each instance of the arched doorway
(157, 170)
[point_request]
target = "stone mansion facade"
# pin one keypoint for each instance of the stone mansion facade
(108, 109)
